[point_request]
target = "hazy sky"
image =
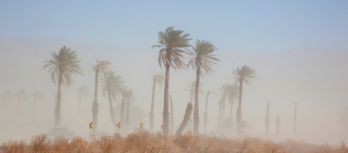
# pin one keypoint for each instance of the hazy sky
(255, 26)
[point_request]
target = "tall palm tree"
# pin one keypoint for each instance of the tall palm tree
(224, 89)
(37, 97)
(101, 68)
(83, 91)
(244, 74)
(112, 87)
(159, 78)
(21, 95)
(129, 98)
(6, 96)
(63, 66)
(202, 60)
(172, 44)
(206, 107)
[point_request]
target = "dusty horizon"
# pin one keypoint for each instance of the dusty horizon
(315, 78)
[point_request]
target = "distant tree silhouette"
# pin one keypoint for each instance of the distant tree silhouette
(158, 78)
(21, 96)
(37, 97)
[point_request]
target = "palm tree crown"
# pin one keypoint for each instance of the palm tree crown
(202, 57)
(64, 63)
(159, 78)
(244, 74)
(112, 85)
(102, 66)
(83, 91)
(171, 42)
(37, 95)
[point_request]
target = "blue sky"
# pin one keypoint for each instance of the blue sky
(254, 26)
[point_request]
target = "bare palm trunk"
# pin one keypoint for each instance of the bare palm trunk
(189, 124)
(19, 98)
(166, 94)
(3, 105)
(95, 103)
(223, 106)
(152, 105)
(112, 113)
(267, 120)
(277, 124)
(220, 105)
(231, 111)
(122, 110)
(127, 115)
(196, 112)
(239, 110)
(185, 120)
(34, 108)
(206, 113)
(57, 112)
(171, 115)
(78, 111)
(295, 120)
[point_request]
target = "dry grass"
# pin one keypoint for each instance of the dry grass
(143, 141)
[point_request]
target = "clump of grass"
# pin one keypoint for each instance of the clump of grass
(144, 141)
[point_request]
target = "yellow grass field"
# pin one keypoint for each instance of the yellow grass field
(145, 142)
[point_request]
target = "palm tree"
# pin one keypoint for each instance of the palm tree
(83, 91)
(6, 96)
(202, 60)
(159, 78)
(129, 98)
(244, 74)
(206, 107)
(112, 86)
(21, 95)
(101, 68)
(124, 92)
(224, 89)
(172, 43)
(63, 66)
(37, 97)
(185, 120)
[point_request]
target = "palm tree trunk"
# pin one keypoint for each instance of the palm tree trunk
(127, 115)
(277, 124)
(171, 115)
(239, 110)
(205, 113)
(152, 105)
(57, 112)
(267, 119)
(95, 103)
(166, 95)
(295, 119)
(185, 120)
(3, 105)
(19, 97)
(220, 105)
(231, 111)
(196, 112)
(34, 108)
(223, 106)
(112, 113)
(122, 110)
(78, 111)
(189, 127)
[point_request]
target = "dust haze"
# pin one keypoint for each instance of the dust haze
(315, 78)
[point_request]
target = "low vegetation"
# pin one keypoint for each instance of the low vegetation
(143, 141)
